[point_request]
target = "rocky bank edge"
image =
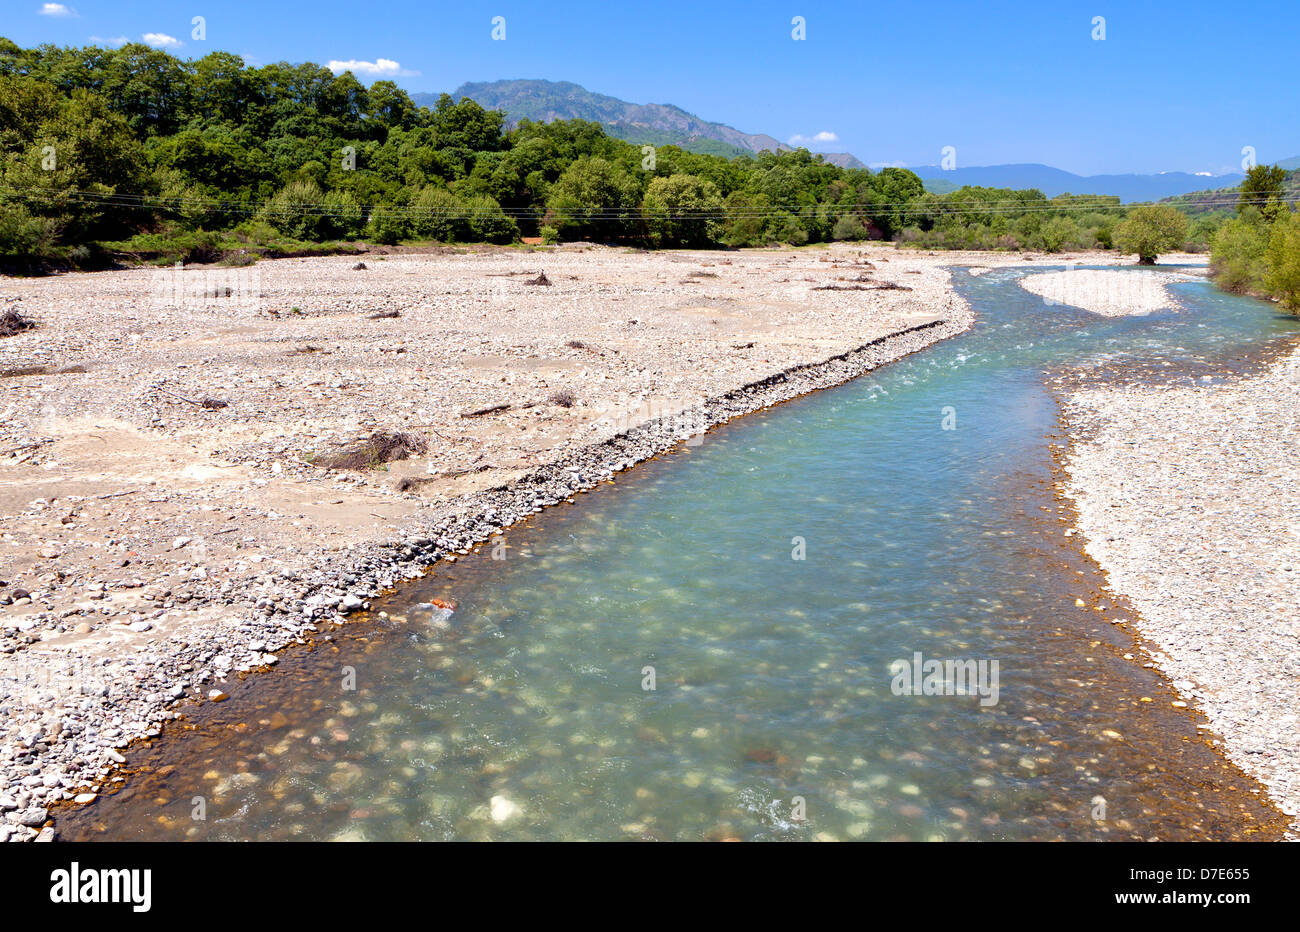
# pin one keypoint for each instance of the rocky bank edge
(72, 757)
(1188, 497)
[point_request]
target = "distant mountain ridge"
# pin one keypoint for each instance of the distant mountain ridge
(1220, 199)
(667, 124)
(653, 124)
(1055, 181)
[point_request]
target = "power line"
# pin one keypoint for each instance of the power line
(1062, 204)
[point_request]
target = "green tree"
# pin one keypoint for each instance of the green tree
(438, 214)
(487, 222)
(1262, 189)
(682, 210)
(1151, 230)
(342, 217)
(594, 199)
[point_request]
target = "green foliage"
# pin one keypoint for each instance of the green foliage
(682, 210)
(24, 237)
(1282, 275)
(488, 223)
(1151, 230)
(438, 214)
(343, 216)
(1262, 189)
(1237, 256)
(296, 211)
(209, 154)
(594, 199)
(1059, 233)
(389, 225)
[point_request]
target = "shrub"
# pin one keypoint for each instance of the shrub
(1282, 275)
(24, 237)
(594, 199)
(850, 226)
(296, 210)
(343, 216)
(389, 225)
(1237, 256)
(488, 222)
(1058, 233)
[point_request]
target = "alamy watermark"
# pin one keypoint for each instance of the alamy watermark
(949, 677)
(233, 289)
(684, 418)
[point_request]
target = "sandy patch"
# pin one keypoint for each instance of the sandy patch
(1111, 293)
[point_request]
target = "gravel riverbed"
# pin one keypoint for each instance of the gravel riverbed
(1187, 496)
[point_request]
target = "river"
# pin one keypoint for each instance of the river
(709, 648)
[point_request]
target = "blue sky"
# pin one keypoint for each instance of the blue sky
(1173, 86)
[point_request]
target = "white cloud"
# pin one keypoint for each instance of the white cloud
(56, 9)
(381, 67)
(160, 40)
(114, 40)
(823, 137)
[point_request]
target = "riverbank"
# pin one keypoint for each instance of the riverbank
(166, 529)
(1187, 497)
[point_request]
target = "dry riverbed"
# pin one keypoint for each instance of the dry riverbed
(168, 522)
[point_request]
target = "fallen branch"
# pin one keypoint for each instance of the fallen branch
(211, 404)
(198, 404)
(482, 411)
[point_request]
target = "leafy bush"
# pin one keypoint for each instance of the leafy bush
(1282, 275)
(296, 210)
(389, 225)
(343, 217)
(850, 227)
(24, 237)
(438, 214)
(1237, 256)
(594, 199)
(1058, 233)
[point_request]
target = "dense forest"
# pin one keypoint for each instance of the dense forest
(130, 151)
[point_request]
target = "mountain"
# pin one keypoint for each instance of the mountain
(1054, 181)
(653, 124)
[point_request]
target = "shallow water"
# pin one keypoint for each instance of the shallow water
(528, 716)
